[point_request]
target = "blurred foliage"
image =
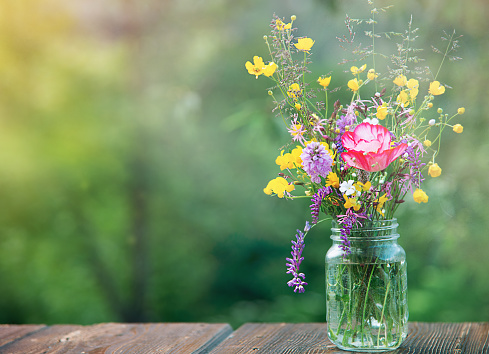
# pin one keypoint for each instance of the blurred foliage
(135, 146)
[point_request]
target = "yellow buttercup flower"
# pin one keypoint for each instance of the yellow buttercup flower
(420, 196)
(457, 128)
(381, 112)
(371, 75)
(413, 86)
(304, 44)
(434, 170)
(257, 67)
(436, 88)
(269, 69)
(403, 97)
(356, 71)
(324, 82)
(298, 106)
(353, 85)
(400, 80)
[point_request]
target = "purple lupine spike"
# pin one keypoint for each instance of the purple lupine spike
(294, 263)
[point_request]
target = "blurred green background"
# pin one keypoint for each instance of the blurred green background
(134, 148)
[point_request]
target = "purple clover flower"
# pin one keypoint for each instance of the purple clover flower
(294, 263)
(316, 161)
(317, 199)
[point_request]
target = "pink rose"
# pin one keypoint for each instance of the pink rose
(369, 148)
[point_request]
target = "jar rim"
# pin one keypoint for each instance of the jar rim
(388, 223)
(372, 230)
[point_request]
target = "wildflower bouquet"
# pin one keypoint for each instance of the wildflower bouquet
(356, 160)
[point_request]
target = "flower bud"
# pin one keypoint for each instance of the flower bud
(270, 93)
(265, 37)
(461, 110)
(432, 122)
(439, 110)
(457, 128)
(427, 143)
(430, 105)
(293, 17)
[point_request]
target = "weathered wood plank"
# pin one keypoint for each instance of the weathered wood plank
(439, 338)
(122, 338)
(469, 338)
(278, 338)
(9, 333)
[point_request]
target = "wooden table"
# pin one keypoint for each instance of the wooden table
(464, 338)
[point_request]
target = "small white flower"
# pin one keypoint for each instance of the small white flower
(347, 187)
(432, 122)
(373, 121)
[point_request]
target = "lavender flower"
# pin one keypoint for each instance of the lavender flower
(295, 262)
(316, 161)
(317, 200)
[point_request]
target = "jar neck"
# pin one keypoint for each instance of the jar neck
(381, 230)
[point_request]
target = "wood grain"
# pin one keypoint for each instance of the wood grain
(433, 338)
(9, 333)
(466, 338)
(121, 338)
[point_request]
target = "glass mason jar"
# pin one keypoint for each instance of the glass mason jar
(366, 290)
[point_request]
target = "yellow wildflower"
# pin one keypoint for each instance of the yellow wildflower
(457, 128)
(420, 196)
(381, 112)
(434, 170)
(285, 161)
(304, 44)
(278, 186)
(403, 97)
(282, 26)
(380, 203)
(298, 106)
(296, 156)
(436, 88)
(294, 91)
(257, 67)
(353, 85)
(269, 69)
(324, 82)
(413, 86)
(372, 74)
(427, 143)
(356, 71)
(332, 180)
(461, 110)
(400, 80)
(351, 202)
(364, 186)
